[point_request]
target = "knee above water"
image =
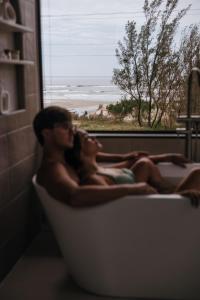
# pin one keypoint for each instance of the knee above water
(195, 173)
(145, 161)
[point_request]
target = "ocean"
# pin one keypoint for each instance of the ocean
(81, 94)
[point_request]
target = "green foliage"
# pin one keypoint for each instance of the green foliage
(121, 109)
(126, 107)
(152, 67)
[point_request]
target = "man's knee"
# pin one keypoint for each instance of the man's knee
(195, 173)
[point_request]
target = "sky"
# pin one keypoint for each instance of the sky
(79, 37)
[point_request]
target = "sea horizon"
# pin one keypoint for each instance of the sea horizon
(81, 94)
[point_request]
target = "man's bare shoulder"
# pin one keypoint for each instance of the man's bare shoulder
(58, 179)
(53, 172)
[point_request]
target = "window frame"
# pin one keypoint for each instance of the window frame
(98, 133)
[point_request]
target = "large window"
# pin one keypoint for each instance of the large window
(79, 39)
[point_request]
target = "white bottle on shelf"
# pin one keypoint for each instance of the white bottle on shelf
(4, 101)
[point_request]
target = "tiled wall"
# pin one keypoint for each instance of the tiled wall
(153, 145)
(18, 159)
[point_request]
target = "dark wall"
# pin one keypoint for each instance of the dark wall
(18, 159)
(153, 145)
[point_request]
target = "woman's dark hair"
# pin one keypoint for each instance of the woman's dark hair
(72, 155)
(47, 118)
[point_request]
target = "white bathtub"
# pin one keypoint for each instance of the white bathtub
(136, 246)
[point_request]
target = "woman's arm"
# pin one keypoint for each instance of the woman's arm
(116, 157)
(175, 158)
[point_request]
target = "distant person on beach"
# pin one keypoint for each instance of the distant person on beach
(54, 130)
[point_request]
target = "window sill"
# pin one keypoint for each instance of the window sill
(142, 134)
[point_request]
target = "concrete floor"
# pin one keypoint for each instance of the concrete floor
(42, 274)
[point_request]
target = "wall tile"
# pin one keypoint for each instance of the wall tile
(30, 17)
(33, 106)
(4, 159)
(156, 146)
(3, 124)
(21, 118)
(29, 44)
(21, 175)
(21, 143)
(17, 120)
(22, 4)
(116, 145)
(152, 145)
(4, 188)
(11, 251)
(14, 216)
(30, 80)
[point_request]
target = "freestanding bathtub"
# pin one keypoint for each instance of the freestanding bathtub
(136, 246)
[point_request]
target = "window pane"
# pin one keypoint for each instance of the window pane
(79, 42)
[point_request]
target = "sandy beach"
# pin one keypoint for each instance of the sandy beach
(77, 105)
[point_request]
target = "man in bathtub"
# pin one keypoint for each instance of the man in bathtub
(79, 181)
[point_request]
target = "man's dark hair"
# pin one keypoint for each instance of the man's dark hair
(47, 118)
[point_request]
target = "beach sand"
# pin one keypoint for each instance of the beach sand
(75, 105)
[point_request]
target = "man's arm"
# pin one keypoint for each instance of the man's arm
(59, 184)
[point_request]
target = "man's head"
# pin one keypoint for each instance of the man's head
(48, 119)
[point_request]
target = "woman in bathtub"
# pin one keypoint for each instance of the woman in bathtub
(83, 158)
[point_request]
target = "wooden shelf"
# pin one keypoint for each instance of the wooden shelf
(16, 62)
(13, 27)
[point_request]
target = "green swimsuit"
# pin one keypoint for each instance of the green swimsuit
(122, 176)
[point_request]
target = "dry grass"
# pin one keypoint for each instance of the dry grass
(109, 125)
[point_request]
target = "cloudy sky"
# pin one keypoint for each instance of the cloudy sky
(80, 36)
